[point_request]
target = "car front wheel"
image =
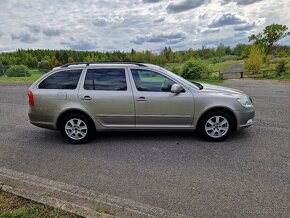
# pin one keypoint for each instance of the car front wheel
(216, 126)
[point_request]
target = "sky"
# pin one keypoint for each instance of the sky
(140, 24)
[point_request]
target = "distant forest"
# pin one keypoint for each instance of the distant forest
(47, 59)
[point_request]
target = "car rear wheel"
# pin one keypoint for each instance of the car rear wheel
(76, 128)
(216, 126)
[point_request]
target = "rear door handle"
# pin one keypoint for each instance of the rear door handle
(141, 99)
(86, 98)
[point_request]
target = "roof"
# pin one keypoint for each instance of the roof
(104, 63)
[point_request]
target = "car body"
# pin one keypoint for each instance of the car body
(132, 96)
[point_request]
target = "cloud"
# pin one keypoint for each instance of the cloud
(226, 41)
(80, 45)
(100, 22)
(210, 31)
(51, 32)
(23, 37)
(151, 1)
(241, 33)
(33, 28)
(245, 27)
(226, 20)
(159, 20)
(167, 38)
(184, 5)
(242, 2)
(47, 31)
(138, 24)
(103, 21)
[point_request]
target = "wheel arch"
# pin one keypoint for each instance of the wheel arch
(71, 111)
(219, 108)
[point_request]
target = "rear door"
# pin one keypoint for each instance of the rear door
(106, 93)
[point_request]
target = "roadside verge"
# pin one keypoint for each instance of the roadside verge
(75, 199)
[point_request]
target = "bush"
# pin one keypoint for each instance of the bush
(175, 69)
(256, 58)
(281, 68)
(193, 69)
(2, 71)
(44, 64)
(18, 71)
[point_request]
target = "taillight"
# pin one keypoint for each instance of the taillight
(30, 99)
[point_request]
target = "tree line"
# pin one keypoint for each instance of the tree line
(46, 59)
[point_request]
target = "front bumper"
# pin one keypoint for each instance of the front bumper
(245, 118)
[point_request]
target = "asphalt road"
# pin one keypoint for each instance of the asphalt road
(247, 176)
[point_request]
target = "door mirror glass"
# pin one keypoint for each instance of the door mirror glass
(176, 88)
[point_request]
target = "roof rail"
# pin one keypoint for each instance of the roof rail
(109, 62)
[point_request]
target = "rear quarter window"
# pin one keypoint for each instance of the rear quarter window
(61, 80)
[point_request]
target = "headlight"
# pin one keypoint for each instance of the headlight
(245, 102)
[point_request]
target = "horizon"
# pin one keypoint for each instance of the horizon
(129, 50)
(140, 25)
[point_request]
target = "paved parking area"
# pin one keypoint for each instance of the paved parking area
(248, 175)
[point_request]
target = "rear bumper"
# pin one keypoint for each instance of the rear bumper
(41, 120)
(245, 118)
(43, 125)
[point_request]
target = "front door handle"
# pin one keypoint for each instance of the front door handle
(141, 99)
(86, 98)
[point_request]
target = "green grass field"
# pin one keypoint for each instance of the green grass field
(35, 74)
(213, 67)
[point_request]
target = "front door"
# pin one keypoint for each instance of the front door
(156, 106)
(107, 95)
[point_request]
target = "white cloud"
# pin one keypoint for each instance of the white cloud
(140, 24)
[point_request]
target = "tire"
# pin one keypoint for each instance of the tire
(216, 126)
(77, 128)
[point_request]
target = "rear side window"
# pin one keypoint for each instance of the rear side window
(106, 79)
(61, 80)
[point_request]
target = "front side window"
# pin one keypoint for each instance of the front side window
(106, 79)
(61, 80)
(149, 81)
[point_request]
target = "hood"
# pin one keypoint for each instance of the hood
(220, 89)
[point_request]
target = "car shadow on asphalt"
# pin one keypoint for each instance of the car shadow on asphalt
(143, 137)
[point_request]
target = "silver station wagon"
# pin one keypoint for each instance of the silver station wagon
(81, 99)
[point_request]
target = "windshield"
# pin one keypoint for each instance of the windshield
(191, 84)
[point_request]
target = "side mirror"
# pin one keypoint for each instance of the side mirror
(176, 88)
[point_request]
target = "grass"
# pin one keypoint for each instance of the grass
(285, 77)
(35, 74)
(287, 59)
(210, 81)
(223, 65)
(45, 194)
(12, 206)
(8, 183)
(98, 208)
(213, 67)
